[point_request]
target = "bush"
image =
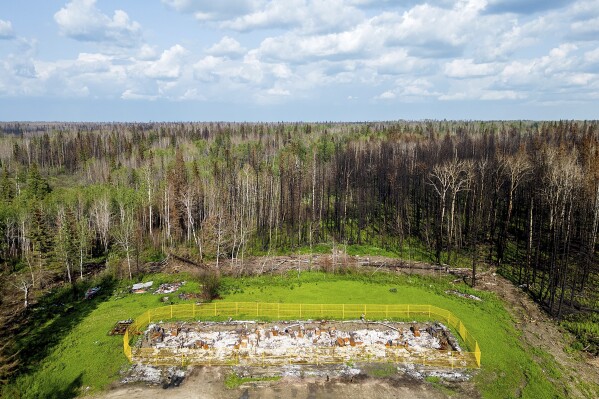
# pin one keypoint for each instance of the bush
(211, 285)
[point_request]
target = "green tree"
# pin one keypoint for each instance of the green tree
(65, 241)
(37, 186)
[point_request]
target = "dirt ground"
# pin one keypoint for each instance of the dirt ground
(538, 331)
(207, 383)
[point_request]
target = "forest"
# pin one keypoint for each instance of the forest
(520, 195)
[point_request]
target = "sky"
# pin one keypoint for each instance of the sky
(298, 60)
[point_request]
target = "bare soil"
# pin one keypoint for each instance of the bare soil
(208, 382)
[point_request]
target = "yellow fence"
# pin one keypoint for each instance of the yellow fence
(288, 311)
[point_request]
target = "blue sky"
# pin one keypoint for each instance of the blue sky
(298, 60)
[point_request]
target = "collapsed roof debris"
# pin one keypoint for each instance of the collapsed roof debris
(141, 288)
(298, 342)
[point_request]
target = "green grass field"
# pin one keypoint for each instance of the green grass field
(81, 357)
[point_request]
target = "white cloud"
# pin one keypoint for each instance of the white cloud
(206, 69)
(211, 10)
(388, 95)
(494, 95)
(168, 66)
(466, 68)
(306, 15)
(581, 79)
(147, 52)
(129, 94)
(587, 29)
(277, 91)
(227, 46)
(81, 20)
(394, 62)
(592, 56)
(379, 50)
(6, 31)
(435, 31)
(306, 48)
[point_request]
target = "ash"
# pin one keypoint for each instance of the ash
(301, 341)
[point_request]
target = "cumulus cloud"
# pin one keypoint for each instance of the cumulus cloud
(437, 32)
(82, 20)
(6, 31)
(306, 15)
(587, 29)
(227, 46)
(387, 95)
(210, 10)
(168, 66)
(381, 50)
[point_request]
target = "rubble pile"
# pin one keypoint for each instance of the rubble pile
(169, 288)
(298, 342)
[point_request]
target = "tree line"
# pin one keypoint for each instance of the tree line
(522, 195)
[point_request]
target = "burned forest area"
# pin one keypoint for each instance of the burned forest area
(89, 208)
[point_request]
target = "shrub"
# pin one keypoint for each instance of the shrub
(211, 285)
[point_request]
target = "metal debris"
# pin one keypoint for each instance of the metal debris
(141, 288)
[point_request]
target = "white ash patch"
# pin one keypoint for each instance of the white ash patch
(153, 375)
(143, 373)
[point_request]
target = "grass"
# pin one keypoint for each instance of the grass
(71, 347)
(506, 365)
(381, 370)
(586, 329)
(233, 381)
(82, 355)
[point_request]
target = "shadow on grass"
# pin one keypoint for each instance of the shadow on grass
(53, 318)
(66, 392)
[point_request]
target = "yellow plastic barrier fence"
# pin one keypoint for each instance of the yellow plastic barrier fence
(292, 311)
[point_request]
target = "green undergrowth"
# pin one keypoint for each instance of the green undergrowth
(410, 249)
(585, 327)
(381, 370)
(233, 381)
(81, 356)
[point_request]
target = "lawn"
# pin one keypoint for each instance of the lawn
(83, 358)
